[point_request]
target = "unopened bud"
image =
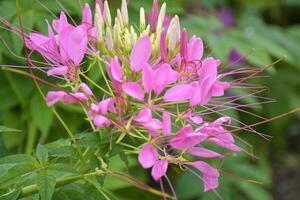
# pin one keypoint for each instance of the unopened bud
(99, 23)
(174, 33)
(124, 12)
(109, 40)
(161, 18)
(133, 35)
(119, 16)
(142, 19)
(107, 14)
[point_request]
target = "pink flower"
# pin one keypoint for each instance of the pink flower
(98, 112)
(210, 175)
(153, 80)
(159, 169)
(144, 117)
(218, 135)
(68, 98)
(148, 157)
(186, 138)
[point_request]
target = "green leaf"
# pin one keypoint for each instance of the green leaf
(42, 154)
(254, 192)
(91, 140)
(11, 196)
(46, 184)
(42, 115)
(16, 174)
(6, 129)
(17, 159)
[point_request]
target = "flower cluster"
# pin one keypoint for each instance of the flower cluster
(155, 82)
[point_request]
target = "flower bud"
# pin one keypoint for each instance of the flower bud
(119, 16)
(99, 23)
(109, 39)
(161, 18)
(142, 19)
(174, 33)
(124, 12)
(107, 14)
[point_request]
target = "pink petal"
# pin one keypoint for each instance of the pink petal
(210, 175)
(221, 121)
(74, 98)
(85, 88)
(148, 156)
(209, 68)
(107, 105)
(167, 123)
(218, 88)
(224, 144)
(159, 169)
(144, 116)
(63, 40)
(179, 93)
(101, 121)
(61, 23)
(140, 53)
(87, 17)
(77, 44)
(148, 78)
(153, 124)
(116, 70)
(134, 90)
(164, 76)
(154, 15)
(163, 46)
(204, 153)
(54, 97)
(183, 44)
(186, 138)
(195, 49)
(58, 71)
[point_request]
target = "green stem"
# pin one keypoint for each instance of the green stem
(31, 138)
(32, 189)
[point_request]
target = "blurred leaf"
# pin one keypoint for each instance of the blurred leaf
(42, 154)
(11, 196)
(46, 184)
(42, 115)
(6, 129)
(254, 192)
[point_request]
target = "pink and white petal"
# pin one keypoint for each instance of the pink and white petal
(134, 90)
(178, 93)
(144, 116)
(101, 121)
(54, 96)
(116, 70)
(159, 169)
(148, 78)
(167, 124)
(58, 71)
(204, 153)
(140, 53)
(103, 105)
(148, 156)
(77, 44)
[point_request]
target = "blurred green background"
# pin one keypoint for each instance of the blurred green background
(262, 31)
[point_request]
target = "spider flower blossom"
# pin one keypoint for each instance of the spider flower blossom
(154, 80)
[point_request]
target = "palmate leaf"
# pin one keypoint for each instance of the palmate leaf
(46, 185)
(42, 154)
